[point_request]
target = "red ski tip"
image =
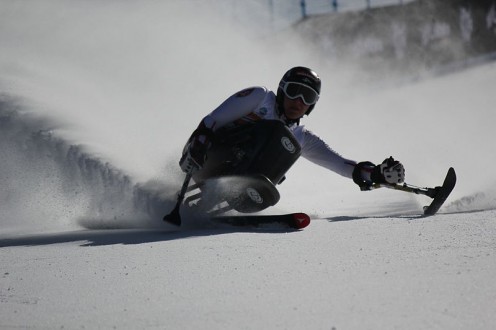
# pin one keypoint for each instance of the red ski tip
(300, 220)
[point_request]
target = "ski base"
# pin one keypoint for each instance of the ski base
(441, 193)
(290, 220)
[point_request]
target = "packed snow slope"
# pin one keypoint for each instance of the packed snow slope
(96, 101)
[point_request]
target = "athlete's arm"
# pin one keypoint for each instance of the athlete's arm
(317, 151)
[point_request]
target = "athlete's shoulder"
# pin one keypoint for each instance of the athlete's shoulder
(254, 91)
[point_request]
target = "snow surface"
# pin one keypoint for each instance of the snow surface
(96, 101)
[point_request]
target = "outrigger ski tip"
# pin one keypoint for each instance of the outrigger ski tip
(173, 218)
(442, 193)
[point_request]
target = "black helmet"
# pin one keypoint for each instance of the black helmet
(303, 77)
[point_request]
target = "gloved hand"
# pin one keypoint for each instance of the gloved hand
(390, 171)
(195, 151)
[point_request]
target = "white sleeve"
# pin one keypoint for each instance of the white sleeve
(236, 106)
(317, 151)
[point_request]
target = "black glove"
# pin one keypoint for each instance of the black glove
(390, 171)
(195, 151)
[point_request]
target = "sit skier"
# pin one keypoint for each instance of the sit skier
(231, 138)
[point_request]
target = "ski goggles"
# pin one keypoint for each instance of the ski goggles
(294, 90)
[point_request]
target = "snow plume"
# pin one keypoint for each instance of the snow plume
(46, 182)
(479, 201)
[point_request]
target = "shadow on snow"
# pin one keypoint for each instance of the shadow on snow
(102, 237)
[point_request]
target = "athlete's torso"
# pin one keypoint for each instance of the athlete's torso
(259, 103)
